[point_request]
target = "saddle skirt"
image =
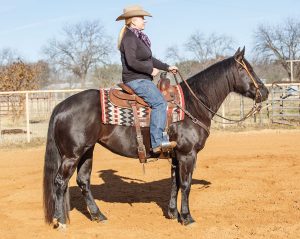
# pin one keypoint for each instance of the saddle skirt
(116, 111)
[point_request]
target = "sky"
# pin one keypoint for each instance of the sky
(27, 25)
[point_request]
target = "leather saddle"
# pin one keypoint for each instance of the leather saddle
(125, 96)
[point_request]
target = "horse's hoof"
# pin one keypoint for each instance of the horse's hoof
(173, 214)
(99, 217)
(60, 227)
(187, 221)
(55, 222)
(193, 224)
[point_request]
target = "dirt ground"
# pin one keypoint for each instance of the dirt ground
(246, 185)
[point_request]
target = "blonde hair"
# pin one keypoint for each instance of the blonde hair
(128, 22)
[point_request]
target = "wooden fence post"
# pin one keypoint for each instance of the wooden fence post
(27, 118)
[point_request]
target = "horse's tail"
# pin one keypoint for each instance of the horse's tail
(52, 163)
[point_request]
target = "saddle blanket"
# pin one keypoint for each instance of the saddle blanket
(116, 115)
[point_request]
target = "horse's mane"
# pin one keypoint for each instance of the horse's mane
(215, 78)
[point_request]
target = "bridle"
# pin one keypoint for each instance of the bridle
(258, 93)
(255, 109)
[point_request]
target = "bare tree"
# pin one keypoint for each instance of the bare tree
(279, 43)
(211, 47)
(189, 67)
(206, 51)
(8, 56)
(268, 71)
(107, 75)
(84, 45)
(173, 54)
(43, 73)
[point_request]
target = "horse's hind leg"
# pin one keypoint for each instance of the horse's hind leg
(62, 204)
(84, 170)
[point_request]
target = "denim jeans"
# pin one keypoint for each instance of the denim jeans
(147, 90)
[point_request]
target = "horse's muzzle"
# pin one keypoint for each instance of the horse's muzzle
(262, 95)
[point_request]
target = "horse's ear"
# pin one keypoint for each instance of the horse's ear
(237, 52)
(243, 51)
(239, 55)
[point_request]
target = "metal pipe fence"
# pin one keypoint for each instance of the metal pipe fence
(285, 100)
(24, 115)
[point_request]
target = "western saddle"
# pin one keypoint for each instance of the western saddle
(126, 98)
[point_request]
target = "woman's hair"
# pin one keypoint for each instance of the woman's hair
(123, 30)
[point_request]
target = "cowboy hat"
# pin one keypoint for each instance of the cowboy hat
(133, 11)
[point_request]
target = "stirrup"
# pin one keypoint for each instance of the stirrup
(166, 145)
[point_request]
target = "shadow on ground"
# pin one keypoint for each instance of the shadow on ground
(119, 189)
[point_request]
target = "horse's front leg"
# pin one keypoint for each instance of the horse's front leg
(186, 167)
(172, 208)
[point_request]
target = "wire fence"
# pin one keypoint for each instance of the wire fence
(24, 115)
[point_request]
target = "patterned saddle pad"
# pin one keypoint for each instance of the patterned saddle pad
(116, 115)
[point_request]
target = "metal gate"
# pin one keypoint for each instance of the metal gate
(285, 103)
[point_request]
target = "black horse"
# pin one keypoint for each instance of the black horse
(75, 128)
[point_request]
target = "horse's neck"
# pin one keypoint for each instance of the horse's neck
(217, 93)
(215, 90)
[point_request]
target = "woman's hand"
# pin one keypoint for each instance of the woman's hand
(173, 69)
(155, 72)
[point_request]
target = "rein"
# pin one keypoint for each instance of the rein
(255, 109)
(194, 119)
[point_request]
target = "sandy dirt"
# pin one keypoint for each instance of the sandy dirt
(246, 185)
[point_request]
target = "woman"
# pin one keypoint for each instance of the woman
(139, 68)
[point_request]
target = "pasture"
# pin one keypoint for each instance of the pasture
(246, 185)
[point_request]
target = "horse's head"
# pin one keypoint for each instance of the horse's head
(248, 83)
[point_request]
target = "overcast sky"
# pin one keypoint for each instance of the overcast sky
(26, 26)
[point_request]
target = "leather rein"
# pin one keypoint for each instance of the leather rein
(255, 109)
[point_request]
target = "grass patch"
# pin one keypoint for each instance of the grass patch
(35, 142)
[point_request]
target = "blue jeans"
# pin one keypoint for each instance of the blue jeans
(147, 90)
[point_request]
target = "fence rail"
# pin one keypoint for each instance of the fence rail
(24, 115)
(285, 99)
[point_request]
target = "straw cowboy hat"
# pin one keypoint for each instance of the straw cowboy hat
(133, 11)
